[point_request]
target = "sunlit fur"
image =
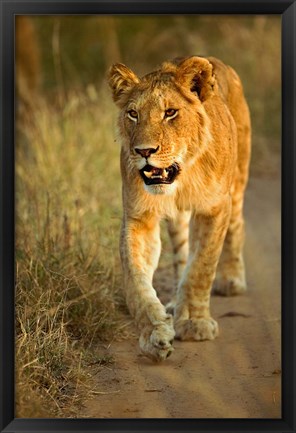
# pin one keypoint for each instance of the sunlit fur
(209, 138)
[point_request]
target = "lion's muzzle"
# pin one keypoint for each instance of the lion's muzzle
(154, 176)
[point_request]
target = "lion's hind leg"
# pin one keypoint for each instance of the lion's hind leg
(178, 229)
(230, 276)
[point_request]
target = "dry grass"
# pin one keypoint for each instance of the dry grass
(67, 266)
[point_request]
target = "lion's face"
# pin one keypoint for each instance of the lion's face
(162, 122)
(152, 124)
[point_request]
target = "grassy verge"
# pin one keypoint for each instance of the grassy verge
(68, 207)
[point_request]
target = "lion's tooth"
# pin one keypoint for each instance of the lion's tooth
(165, 173)
(148, 173)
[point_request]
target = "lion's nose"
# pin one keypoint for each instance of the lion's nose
(145, 153)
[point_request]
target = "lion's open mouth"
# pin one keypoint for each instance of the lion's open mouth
(153, 175)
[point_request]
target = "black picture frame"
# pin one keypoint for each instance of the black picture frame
(8, 10)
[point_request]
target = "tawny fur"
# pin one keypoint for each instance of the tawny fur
(209, 138)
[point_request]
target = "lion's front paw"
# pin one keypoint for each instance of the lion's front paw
(197, 329)
(156, 341)
(229, 287)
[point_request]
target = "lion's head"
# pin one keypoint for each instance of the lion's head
(163, 125)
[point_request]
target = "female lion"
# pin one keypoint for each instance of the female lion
(185, 150)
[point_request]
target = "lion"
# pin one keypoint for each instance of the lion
(185, 136)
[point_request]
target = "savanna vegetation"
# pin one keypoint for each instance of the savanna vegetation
(69, 305)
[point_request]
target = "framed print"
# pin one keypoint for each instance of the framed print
(147, 216)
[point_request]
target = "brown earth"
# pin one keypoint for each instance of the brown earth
(236, 376)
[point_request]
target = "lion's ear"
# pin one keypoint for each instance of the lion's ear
(196, 74)
(121, 79)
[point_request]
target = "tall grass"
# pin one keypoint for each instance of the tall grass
(68, 207)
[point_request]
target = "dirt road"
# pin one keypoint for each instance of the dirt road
(236, 376)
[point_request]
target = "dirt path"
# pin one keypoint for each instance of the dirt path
(236, 376)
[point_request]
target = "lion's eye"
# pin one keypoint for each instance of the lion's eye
(132, 114)
(170, 113)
